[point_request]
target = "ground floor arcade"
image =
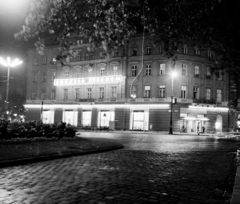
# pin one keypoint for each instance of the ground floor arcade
(139, 117)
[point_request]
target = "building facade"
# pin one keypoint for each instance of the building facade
(130, 89)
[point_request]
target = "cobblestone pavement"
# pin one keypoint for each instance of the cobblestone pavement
(135, 174)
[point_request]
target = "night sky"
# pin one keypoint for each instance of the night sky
(12, 16)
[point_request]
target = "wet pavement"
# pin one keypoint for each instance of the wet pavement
(152, 168)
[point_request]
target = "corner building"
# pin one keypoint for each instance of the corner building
(128, 89)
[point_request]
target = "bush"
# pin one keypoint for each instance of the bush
(33, 129)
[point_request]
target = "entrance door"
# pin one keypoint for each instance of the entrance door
(138, 120)
(218, 124)
(104, 118)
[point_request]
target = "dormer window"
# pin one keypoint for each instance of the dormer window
(134, 51)
(209, 53)
(197, 51)
(185, 49)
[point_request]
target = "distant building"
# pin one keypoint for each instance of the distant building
(116, 91)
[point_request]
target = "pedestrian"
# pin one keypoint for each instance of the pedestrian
(203, 129)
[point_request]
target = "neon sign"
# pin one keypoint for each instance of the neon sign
(88, 80)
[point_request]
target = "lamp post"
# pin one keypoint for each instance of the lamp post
(173, 74)
(9, 65)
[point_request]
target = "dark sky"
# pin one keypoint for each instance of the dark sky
(12, 16)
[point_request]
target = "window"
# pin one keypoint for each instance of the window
(162, 89)
(87, 57)
(102, 71)
(134, 70)
(134, 51)
(115, 53)
(162, 69)
(53, 94)
(101, 90)
(196, 91)
(134, 91)
(77, 90)
(35, 61)
(208, 93)
(161, 49)
(44, 76)
(114, 92)
(197, 51)
(89, 93)
(209, 53)
(184, 69)
(149, 50)
(208, 73)
(78, 57)
(67, 74)
(89, 72)
(34, 95)
(43, 94)
(183, 92)
(220, 76)
(53, 75)
(196, 71)
(44, 59)
(147, 91)
(185, 49)
(219, 95)
(34, 77)
(115, 68)
(148, 70)
(67, 59)
(65, 94)
(78, 73)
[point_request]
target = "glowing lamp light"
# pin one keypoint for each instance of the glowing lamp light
(173, 74)
(8, 63)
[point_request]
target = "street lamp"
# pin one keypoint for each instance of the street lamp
(173, 75)
(9, 64)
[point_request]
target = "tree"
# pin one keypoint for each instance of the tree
(105, 23)
(209, 24)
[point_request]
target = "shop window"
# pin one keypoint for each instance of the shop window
(86, 118)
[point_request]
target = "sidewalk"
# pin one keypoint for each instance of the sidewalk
(29, 152)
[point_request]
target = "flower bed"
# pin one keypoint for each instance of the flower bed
(35, 129)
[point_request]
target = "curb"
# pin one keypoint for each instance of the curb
(236, 188)
(30, 160)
